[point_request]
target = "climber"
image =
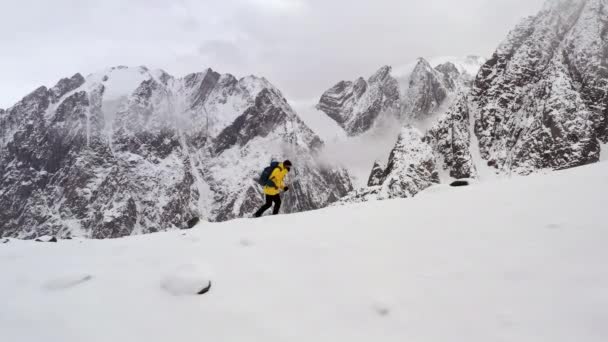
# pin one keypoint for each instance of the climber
(272, 180)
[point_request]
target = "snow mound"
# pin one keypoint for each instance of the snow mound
(187, 280)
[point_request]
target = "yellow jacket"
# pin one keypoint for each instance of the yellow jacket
(276, 177)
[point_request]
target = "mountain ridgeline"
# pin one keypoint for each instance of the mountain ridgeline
(539, 103)
(132, 151)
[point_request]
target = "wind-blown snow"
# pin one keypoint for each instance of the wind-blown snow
(510, 260)
(119, 81)
(326, 128)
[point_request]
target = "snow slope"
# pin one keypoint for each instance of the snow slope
(508, 260)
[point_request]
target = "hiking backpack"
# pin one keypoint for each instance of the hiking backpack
(265, 176)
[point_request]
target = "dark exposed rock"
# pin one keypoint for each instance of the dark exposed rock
(192, 222)
(356, 105)
(450, 139)
(416, 95)
(203, 83)
(47, 239)
(66, 85)
(205, 289)
(450, 75)
(378, 175)
(459, 183)
(411, 168)
(426, 91)
(259, 120)
(539, 102)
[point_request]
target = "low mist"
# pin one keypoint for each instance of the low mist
(356, 154)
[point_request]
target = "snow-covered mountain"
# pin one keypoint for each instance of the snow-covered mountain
(504, 260)
(356, 105)
(410, 92)
(129, 151)
(539, 103)
(411, 169)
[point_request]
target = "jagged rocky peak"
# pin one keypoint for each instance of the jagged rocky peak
(426, 90)
(450, 74)
(381, 75)
(66, 85)
(202, 83)
(413, 93)
(540, 101)
(448, 68)
(377, 175)
(411, 168)
(355, 106)
(132, 151)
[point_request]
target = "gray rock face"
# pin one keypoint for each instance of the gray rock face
(540, 102)
(356, 105)
(133, 151)
(378, 175)
(450, 74)
(451, 141)
(66, 85)
(411, 168)
(411, 96)
(426, 90)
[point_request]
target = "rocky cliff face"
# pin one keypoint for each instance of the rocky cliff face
(427, 89)
(356, 105)
(411, 168)
(451, 141)
(414, 93)
(131, 151)
(540, 102)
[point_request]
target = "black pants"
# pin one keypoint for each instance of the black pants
(276, 199)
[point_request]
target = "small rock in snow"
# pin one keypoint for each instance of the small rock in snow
(193, 222)
(459, 183)
(46, 239)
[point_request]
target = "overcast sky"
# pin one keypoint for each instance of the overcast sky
(302, 46)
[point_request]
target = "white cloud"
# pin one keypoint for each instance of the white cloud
(303, 46)
(279, 5)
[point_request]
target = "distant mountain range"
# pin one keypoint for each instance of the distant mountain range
(132, 150)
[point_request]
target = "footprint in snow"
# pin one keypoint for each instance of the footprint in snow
(246, 243)
(67, 282)
(381, 309)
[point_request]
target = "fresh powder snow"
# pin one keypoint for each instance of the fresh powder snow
(521, 259)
